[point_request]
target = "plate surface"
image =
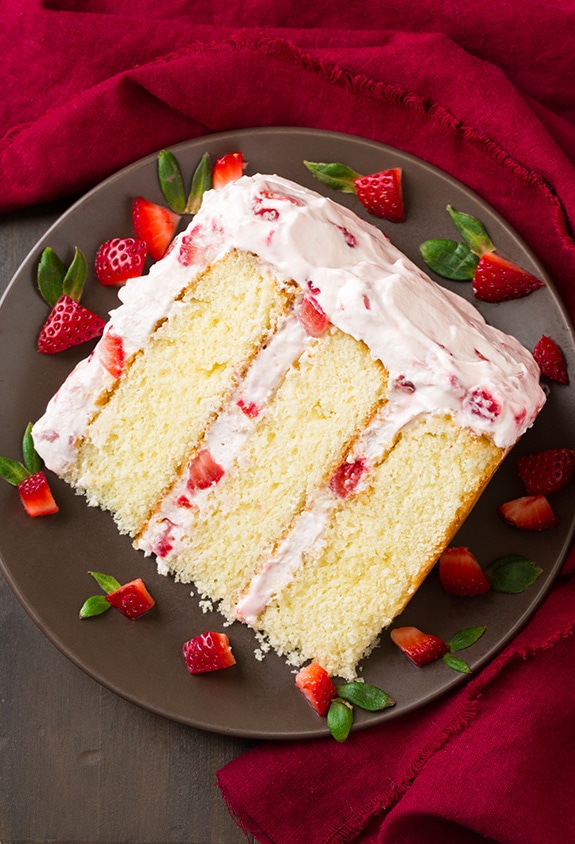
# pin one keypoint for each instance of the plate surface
(46, 560)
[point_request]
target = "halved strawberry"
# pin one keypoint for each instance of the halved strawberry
(546, 471)
(132, 599)
(312, 316)
(380, 193)
(68, 324)
(36, 495)
(111, 353)
(208, 652)
(551, 360)
(228, 168)
(346, 478)
(497, 280)
(317, 686)
(154, 224)
(461, 574)
(119, 259)
(203, 471)
(421, 648)
(531, 512)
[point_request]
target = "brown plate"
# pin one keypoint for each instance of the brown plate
(46, 561)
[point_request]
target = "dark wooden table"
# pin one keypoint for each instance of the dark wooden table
(77, 763)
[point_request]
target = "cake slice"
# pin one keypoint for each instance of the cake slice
(312, 418)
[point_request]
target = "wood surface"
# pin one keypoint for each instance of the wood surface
(77, 763)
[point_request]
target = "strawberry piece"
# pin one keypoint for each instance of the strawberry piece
(347, 477)
(250, 409)
(497, 280)
(461, 574)
(228, 168)
(546, 471)
(112, 355)
(551, 360)
(68, 324)
(203, 471)
(421, 648)
(481, 403)
(312, 316)
(132, 599)
(36, 495)
(382, 194)
(317, 687)
(208, 652)
(531, 512)
(119, 259)
(154, 224)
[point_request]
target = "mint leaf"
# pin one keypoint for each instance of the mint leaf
(73, 283)
(105, 581)
(465, 638)
(94, 606)
(50, 276)
(171, 181)
(365, 696)
(337, 176)
(456, 664)
(12, 471)
(32, 459)
(201, 182)
(512, 573)
(449, 259)
(339, 719)
(472, 231)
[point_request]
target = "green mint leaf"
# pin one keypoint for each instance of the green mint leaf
(12, 471)
(201, 182)
(32, 459)
(337, 176)
(365, 696)
(472, 232)
(94, 606)
(50, 276)
(339, 719)
(105, 581)
(456, 664)
(449, 259)
(512, 574)
(73, 283)
(171, 181)
(465, 638)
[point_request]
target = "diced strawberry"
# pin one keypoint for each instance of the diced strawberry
(382, 194)
(347, 477)
(36, 495)
(312, 316)
(208, 652)
(497, 280)
(112, 355)
(421, 648)
(317, 686)
(68, 324)
(250, 409)
(119, 259)
(203, 471)
(531, 512)
(461, 574)
(551, 360)
(132, 599)
(481, 403)
(546, 471)
(228, 168)
(154, 224)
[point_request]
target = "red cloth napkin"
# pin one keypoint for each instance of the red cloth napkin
(487, 93)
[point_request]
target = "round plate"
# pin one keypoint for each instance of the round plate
(46, 561)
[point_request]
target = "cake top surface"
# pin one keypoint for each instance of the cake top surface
(441, 355)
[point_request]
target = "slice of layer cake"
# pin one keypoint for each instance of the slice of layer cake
(311, 416)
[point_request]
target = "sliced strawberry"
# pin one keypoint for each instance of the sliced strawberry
(36, 495)
(154, 224)
(132, 599)
(68, 324)
(119, 259)
(347, 477)
(312, 316)
(551, 360)
(317, 687)
(461, 574)
(228, 168)
(111, 352)
(531, 512)
(208, 652)
(382, 194)
(497, 280)
(203, 471)
(546, 471)
(421, 648)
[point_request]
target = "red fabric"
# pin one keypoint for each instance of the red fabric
(485, 91)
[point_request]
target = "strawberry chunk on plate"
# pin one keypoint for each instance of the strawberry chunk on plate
(36, 495)
(421, 648)
(132, 599)
(228, 168)
(154, 224)
(547, 471)
(498, 280)
(530, 512)
(208, 651)
(317, 687)
(461, 574)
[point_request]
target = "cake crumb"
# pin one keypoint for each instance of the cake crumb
(206, 606)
